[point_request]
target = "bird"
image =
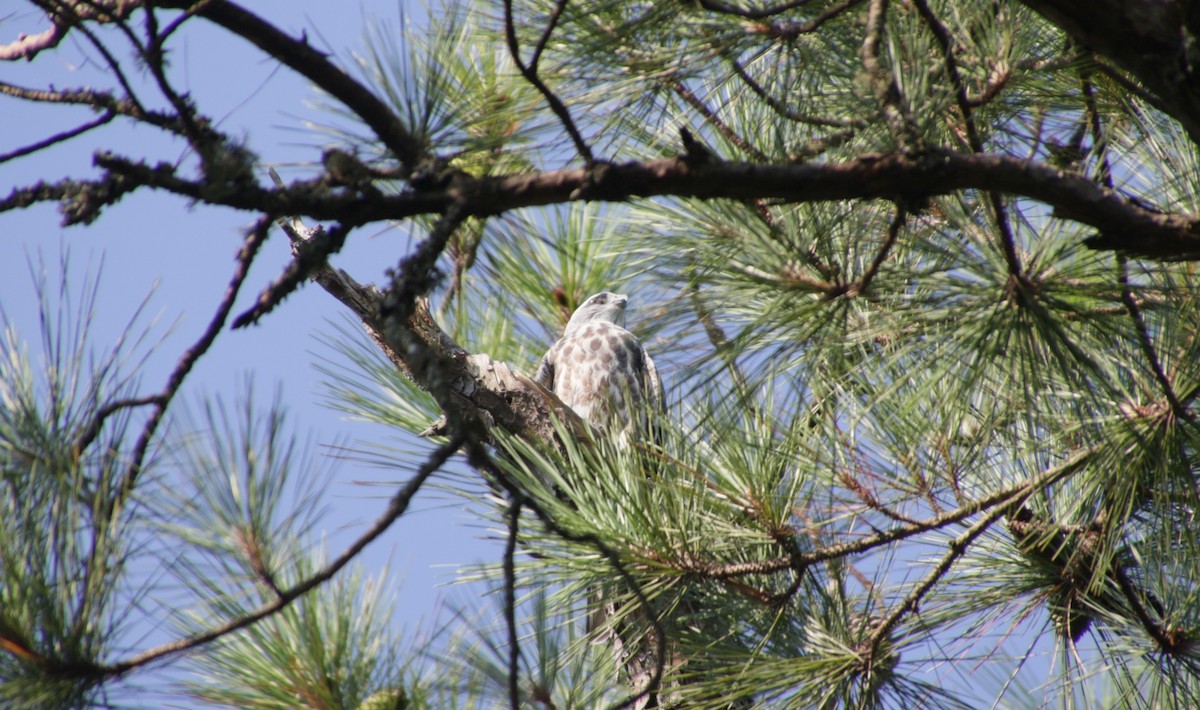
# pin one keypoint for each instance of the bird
(601, 370)
(604, 374)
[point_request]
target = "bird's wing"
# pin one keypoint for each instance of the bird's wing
(654, 386)
(545, 370)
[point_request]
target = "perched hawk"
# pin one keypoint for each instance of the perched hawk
(601, 370)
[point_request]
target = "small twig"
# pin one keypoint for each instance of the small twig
(89, 434)
(778, 106)
(887, 93)
(545, 38)
(867, 498)
(530, 74)
(864, 282)
(416, 274)
(178, 21)
(200, 137)
(310, 256)
(713, 119)
(1126, 84)
(79, 130)
(995, 84)
(510, 602)
(790, 30)
(1008, 240)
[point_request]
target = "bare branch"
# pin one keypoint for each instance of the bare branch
(313, 65)
(546, 32)
(310, 256)
(58, 137)
(510, 602)
(124, 487)
(89, 433)
(529, 71)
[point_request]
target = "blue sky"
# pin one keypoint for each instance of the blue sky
(185, 255)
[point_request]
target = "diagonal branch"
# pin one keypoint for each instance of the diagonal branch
(546, 32)
(1002, 498)
(864, 282)
(396, 508)
(314, 66)
(782, 109)
(254, 241)
(62, 137)
(960, 544)
(529, 71)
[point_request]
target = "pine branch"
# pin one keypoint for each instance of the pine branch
(396, 508)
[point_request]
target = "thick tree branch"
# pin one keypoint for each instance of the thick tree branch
(1122, 224)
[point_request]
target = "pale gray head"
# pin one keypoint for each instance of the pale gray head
(604, 306)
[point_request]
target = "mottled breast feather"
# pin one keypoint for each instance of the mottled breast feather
(602, 372)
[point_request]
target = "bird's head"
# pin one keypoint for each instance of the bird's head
(605, 306)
